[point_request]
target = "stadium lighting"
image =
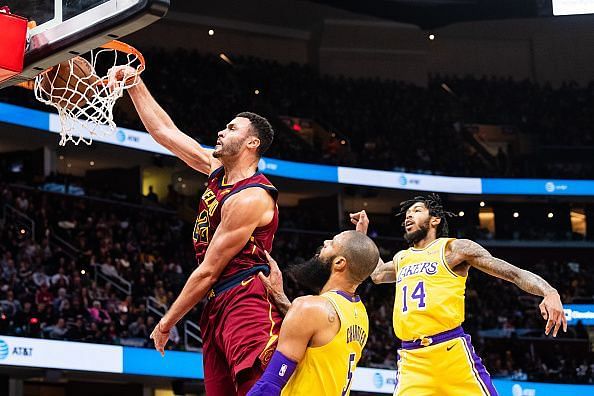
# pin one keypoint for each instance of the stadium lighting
(516, 215)
(461, 213)
(211, 32)
(482, 204)
(225, 58)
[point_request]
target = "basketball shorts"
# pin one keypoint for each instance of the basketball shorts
(446, 366)
(240, 328)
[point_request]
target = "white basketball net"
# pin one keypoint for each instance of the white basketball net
(85, 104)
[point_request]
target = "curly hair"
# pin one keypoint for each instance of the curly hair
(433, 203)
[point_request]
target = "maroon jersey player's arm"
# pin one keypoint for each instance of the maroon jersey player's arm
(162, 128)
(241, 214)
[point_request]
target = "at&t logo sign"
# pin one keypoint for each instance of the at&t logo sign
(120, 136)
(4, 350)
(378, 380)
(551, 187)
(408, 180)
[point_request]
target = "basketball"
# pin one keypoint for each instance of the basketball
(70, 83)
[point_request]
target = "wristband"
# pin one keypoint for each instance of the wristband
(277, 374)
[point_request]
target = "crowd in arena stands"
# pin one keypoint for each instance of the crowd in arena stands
(49, 289)
(385, 124)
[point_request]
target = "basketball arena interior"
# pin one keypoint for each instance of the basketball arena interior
(489, 103)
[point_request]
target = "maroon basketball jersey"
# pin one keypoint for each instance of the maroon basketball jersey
(209, 218)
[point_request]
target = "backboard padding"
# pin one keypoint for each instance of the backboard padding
(67, 31)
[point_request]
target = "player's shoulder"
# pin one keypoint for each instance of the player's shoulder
(249, 198)
(309, 301)
(465, 247)
(400, 254)
(312, 306)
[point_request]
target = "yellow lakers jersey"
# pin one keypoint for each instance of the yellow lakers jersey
(429, 295)
(328, 370)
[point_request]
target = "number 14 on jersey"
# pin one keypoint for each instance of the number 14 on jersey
(417, 294)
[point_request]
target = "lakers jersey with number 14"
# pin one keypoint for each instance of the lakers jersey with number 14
(429, 296)
(328, 370)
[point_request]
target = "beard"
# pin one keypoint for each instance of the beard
(313, 273)
(228, 150)
(418, 235)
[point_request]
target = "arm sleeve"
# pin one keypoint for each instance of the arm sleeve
(277, 374)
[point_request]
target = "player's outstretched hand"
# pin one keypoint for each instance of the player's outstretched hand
(118, 74)
(274, 281)
(360, 220)
(551, 310)
(160, 338)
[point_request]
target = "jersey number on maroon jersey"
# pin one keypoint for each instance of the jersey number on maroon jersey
(201, 227)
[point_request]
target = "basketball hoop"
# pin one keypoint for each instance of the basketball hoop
(79, 90)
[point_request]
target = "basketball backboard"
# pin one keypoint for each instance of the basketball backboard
(66, 28)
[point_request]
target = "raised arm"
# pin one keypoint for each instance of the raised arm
(161, 127)
(462, 251)
(241, 214)
(384, 272)
(295, 336)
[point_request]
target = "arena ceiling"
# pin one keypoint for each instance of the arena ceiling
(430, 14)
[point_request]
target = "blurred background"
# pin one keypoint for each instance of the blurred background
(487, 102)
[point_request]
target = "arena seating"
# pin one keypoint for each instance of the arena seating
(385, 124)
(56, 290)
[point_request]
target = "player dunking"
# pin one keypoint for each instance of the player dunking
(322, 336)
(437, 357)
(236, 222)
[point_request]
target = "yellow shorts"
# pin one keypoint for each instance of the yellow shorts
(450, 368)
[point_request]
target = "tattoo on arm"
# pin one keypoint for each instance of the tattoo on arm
(282, 303)
(384, 272)
(478, 257)
(331, 312)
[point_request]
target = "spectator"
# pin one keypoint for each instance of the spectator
(98, 314)
(60, 278)
(109, 269)
(152, 196)
(57, 331)
(138, 329)
(39, 277)
(43, 295)
(60, 298)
